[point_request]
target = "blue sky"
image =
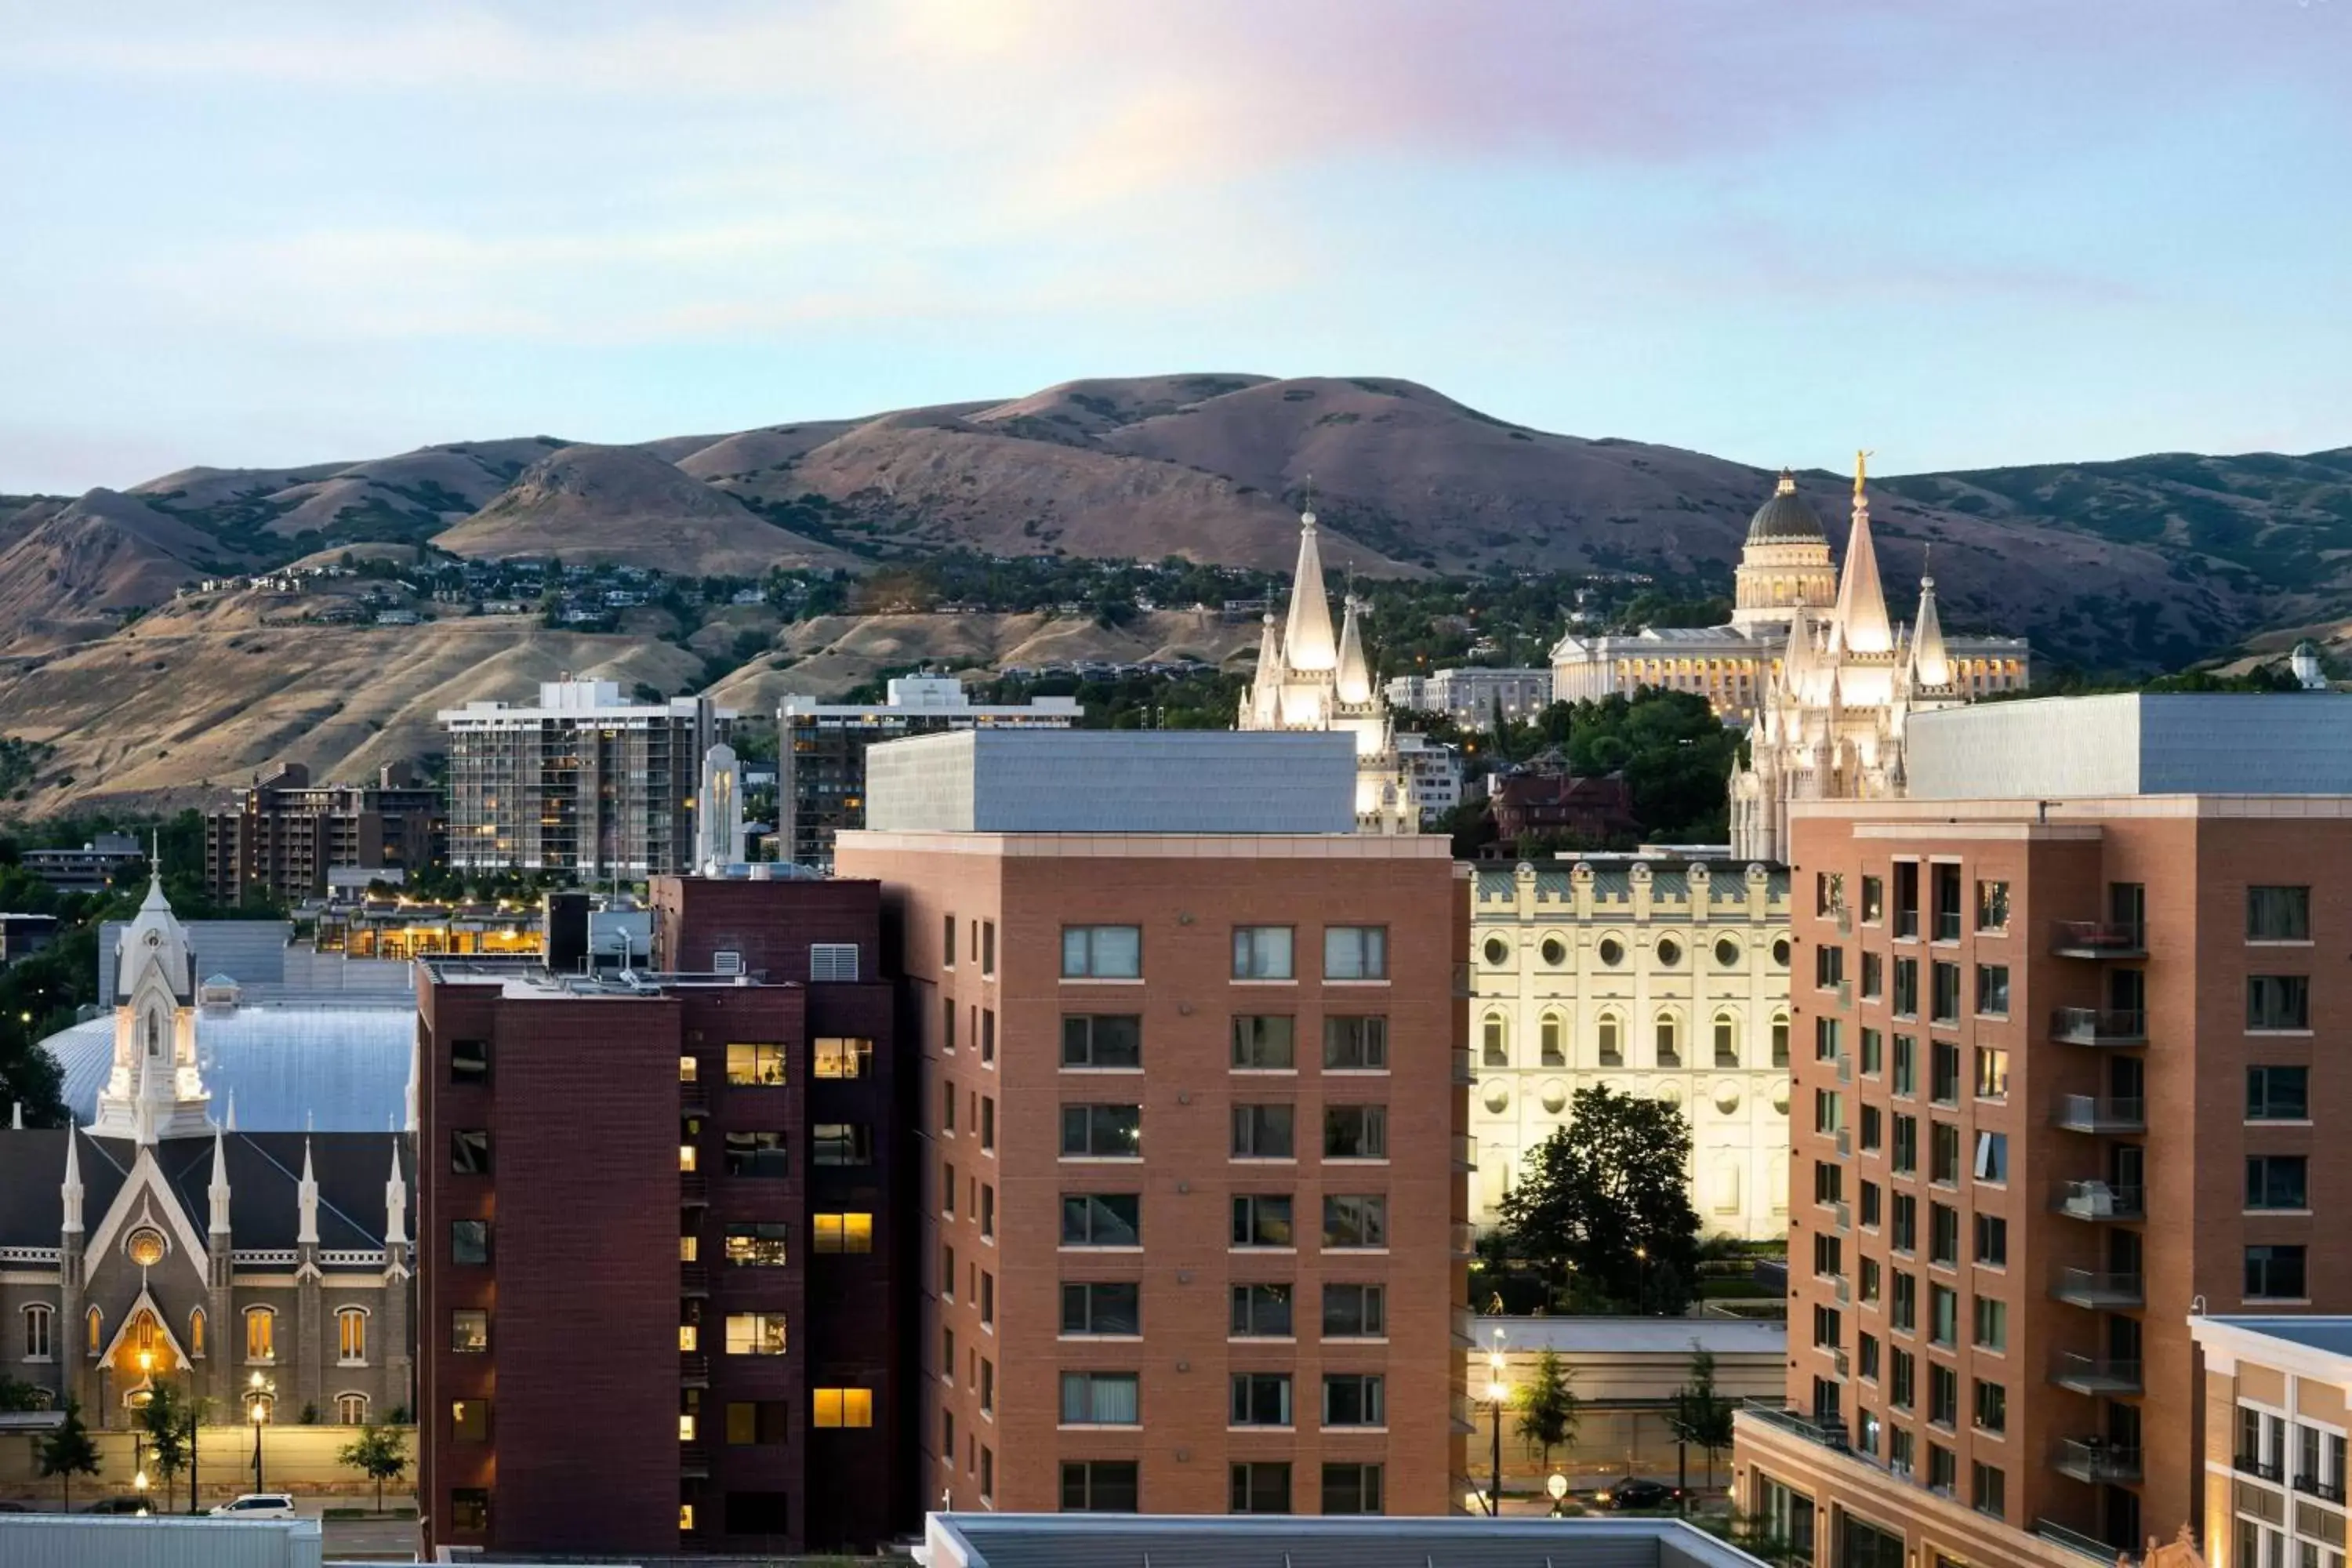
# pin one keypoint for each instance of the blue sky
(1959, 232)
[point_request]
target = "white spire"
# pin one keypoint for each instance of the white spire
(1355, 682)
(395, 1204)
(1306, 643)
(232, 1111)
(70, 1190)
(216, 1193)
(308, 1196)
(1861, 625)
(1931, 664)
(1265, 686)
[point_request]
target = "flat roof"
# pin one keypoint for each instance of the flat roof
(1156, 846)
(2328, 1335)
(1637, 1336)
(2133, 744)
(1307, 1540)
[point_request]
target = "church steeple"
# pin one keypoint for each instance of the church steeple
(307, 1194)
(70, 1190)
(395, 1204)
(1860, 623)
(216, 1193)
(1931, 666)
(1355, 678)
(1307, 642)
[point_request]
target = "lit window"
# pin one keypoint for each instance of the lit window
(260, 1334)
(843, 1407)
(352, 1409)
(844, 1058)
(755, 1334)
(845, 1233)
(469, 1331)
(350, 1336)
(755, 1064)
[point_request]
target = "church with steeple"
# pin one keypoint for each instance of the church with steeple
(160, 1243)
(1306, 681)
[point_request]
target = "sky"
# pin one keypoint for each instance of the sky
(1959, 231)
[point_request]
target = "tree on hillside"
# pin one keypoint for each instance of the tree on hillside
(69, 1451)
(1606, 1199)
(380, 1453)
(1701, 1417)
(1549, 1412)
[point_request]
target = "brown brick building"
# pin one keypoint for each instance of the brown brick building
(2056, 1082)
(657, 1242)
(281, 836)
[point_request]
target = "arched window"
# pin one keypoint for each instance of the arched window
(1727, 1040)
(260, 1334)
(1555, 1054)
(1780, 1039)
(1612, 1034)
(352, 1409)
(1669, 1042)
(94, 1331)
(40, 1327)
(350, 1336)
(1496, 1035)
(154, 1036)
(146, 1333)
(196, 1332)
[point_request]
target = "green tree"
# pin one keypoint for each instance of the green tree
(69, 1451)
(1549, 1412)
(1606, 1200)
(15, 1396)
(380, 1453)
(167, 1418)
(1701, 1417)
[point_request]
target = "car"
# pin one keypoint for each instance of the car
(138, 1505)
(1631, 1492)
(17, 1508)
(257, 1505)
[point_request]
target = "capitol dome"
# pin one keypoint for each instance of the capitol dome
(1787, 516)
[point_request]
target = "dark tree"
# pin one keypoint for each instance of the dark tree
(380, 1453)
(1606, 1199)
(1701, 1417)
(69, 1451)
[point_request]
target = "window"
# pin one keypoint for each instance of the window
(1902, 1389)
(470, 1064)
(1262, 1220)
(1263, 1044)
(947, 941)
(987, 1299)
(755, 1423)
(844, 1232)
(1780, 1041)
(1904, 1081)
(1870, 1204)
(1828, 1327)
(757, 1243)
(1354, 1312)
(1991, 1406)
(843, 1057)
(1727, 1041)
(470, 1151)
(2277, 1181)
(1550, 1033)
(948, 1189)
(832, 962)
(1669, 1052)
(469, 1331)
(1874, 1053)
(1942, 1315)
(1992, 1073)
(987, 1125)
(1354, 1399)
(689, 1069)
(1992, 1323)
(469, 1420)
(1354, 1044)
(1943, 1235)
(1874, 1129)
(1610, 1040)
(1355, 1222)
(946, 1025)
(39, 1333)
(1991, 1490)
(350, 1336)
(987, 1211)
(1263, 1132)
(755, 1334)
(843, 1407)
(352, 1409)
(1262, 953)
(1261, 1487)
(759, 1156)
(1102, 952)
(1944, 1153)
(1947, 888)
(1495, 1041)
(1874, 976)
(261, 1335)
(469, 1510)
(1351, 1489)
(1262, 1311)
(1874, 900)
(1100, 1399)
(1946, 979)
(1992, 1158)
(1903, 1302)
(1866, 1354)
(1102, 1219)
(1102, 1309)
(2278, 1002)
(1992, 906)
(1102, 1040)
(987, 1472)
(1943, 1395)
(1943, 1469)
(1355, 1131)
(1905, 1002)
(2278, 914)
(1905, 1156)
(196, 1322)
(988, 1033)
(1944, 1072)
(988, 947)
(1992, 1241)
(2278, 1094)
(1907, 898)
(1356, 953)
(1829, 893)
(1102, 1131)
(755, 1065)
(1992, 990)
(1100, 1486)
(843, 1142)
(1828, 967)
(1260, 1399)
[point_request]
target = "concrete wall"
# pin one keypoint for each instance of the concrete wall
(2132, 744)
(299, 1459)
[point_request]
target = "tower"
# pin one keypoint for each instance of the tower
(718, 810)
(155, 1089)
(220, 1295)
(1784, 563)
(68, 1338)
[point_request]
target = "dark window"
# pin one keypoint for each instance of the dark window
(1905, 1004)
(1261, 1399)
(757, 1155)
(1993, 1406)
(1354, 1399)
(1947, 880)
(1874, 900)
(1355, 1044)
(1354, 1312)
(1944, 1072)
(755, 1423)
(2278, 1094)
(1262, 1311)
(758, 1513)
(2277, 1181)
(1943, 1235)
(1943, 1152)
(1907, 898)
(470, 1062)
(2278, 1002)
(1947, 992)
(1262, 1220)
(1351, 1489)
(1261, 1487)
(1102, 1219)
(1907, 1066)
(1355, 1131)
(845, 1143)
(470, 1151)
(1102, 1309)
(1263, 1131)
(1943, 1395)
(1264, 1043)
(2278, 914)
(1102, 1131)
(1906, 1158)
(469, 1241)
(470, 1509)
(1355, 1221)
(1906, 1224)
(1874, 976)
(1100, 1486)
(1992, 989)
(1992, 1240)
(2275, 1272)
(1901, 1370)
(1102, 1040)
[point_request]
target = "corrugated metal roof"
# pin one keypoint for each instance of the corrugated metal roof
(328, 1067)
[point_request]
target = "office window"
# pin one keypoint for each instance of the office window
(1828, 967)
(1355, 1131)
(757, 1243)
(1874, 976)
(1351, 1221)
(755, 1064)
(1356, 1044)
(1866, 1357)
(469, 1420)
(1263, 1132)
(1943, 1469)
(1102, 1219)
(470, 1064)
(1262, 1220)
(1943, 1235)
(843, 1057)
(1354, 1312)
(1102, 1131)
(469, 1241)
(1115, 1307)
(1102, 952)
(759, 1156)
(2278, 1094)
(1906, 1067)
(2277, 1181)
(1100, 1399)
(1265, 1044)
(1992, 1073)
(1991, 1324)
(1869, 1204)
(1943, 1395)
(1992, 1240)
(469, 1510)
(1261, 1487)
(1828, 1327)
(755, 1334)
(1992, 906)
(1992, 989)
(1262, 1311)
(2278, 1002)
(1905, 1001)
(1992, 1158)
(469, 1332)
(1102, 1040)
(1903, 1302)
(756, 1423)
(1944, 1072)
(1990, 1493)
(1829, 1183)
(1889, 1552)
(1354, 1399)
(1993, 1406)
(1351, 1489)
(1100, 1486)
(1946, 979)
(1906, 1229)
(1943, 1152)
(1355, 952)
(845, 1142)
(470, 1151)
(2278, 914)
(844, 1232)
(1262, 953)
(841, 1407)
(1260, 1399)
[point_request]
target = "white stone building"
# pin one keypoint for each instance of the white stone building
(1659, 975)
(1472, 695)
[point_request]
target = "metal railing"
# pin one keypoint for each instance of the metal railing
(2100, 1114)
(2326, 1491)
(2099, 1026)
(2090, 1546)
(2098, 939)
(1827, 1435)
(694, 1371)
(2247, 1464)
(693, 1459)
(2096, 1460)
(2101, 1199)
(693, 1278)
(2097, 1288)
(2097, 1374)
(693, 1187)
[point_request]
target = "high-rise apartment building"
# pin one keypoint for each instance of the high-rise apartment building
(583, 782)
(282, 835)
(2060, 1019)
(657, 1238)
(1192, 1132)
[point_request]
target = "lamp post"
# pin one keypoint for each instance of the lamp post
(139, 1484)
(1497, 1392)
(1558, 1487)
(259, 1389)
(1641, 1257)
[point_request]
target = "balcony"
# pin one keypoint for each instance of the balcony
(1844, 1067)
(2090, 1546)
(694, 1371)
(694, 1099)
(1844, 1142)
(2095, 1459)
(1465, 1153)
(694, 1459)
(1828, 1434)
(2248, 1465)
(2098, 1026)
(2097, 1374)
(2100, 1201)
(2100, 1114)
(2098, 939)
(1842, 1218)
(2092, 1287)
(693, 1278)
(2326, 1491)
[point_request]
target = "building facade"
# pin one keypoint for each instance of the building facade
(821, 750)
(583, 783)
(2057, 1079)
(1660, 977)
(280, 837)
(2278, 1407)
(1473, 695)
(1192, 1148)
(658, 1296)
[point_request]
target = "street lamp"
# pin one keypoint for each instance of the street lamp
(1558, 1486)
(139, 1484)
(1641, 1257)
(1497, 1393)
(257, 1406)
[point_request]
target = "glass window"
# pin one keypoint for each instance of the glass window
(1905, 1002)
(1993, 1157)
(1263, 1132)
(351, 1335)
(1355, 1131)
(1102, 1219)
(2278, 914)
(1102, 1040)
(1992, 989)
(755, 1334)
(1356, 953)
(1102, 1131)
(469, 1420)
(1992, 1073)
(2278, 1002)
(1551, 1036)
(2278, 1094)
(755, 1064)
(1992, 906)
(1263, 1486)
(1874, 900)
(1102, 952)
(1944, 1153)
(1906, 1066)
(757, 1243)
(1263, 1220)
(470, 1151)
(843, 1407)
(1944, 1072)
(470, 1331)
(1992, 1240)
(1262, 1311)
(1943, 1395)
(844, 1232)
(1991, 1324)
(1100, 1399)
(1354, 1312)
(841, 1143)
(2277, 1181)
(1100, 1486)
(1943, 1235)
(757, 1155)
(1260, 1399)
(469, 1063)
(2274, 1273)
(1356, 1044)
(470, 1509)
(1356, 1221)
(843, 1057)
(1351, 1489)
(1354, 1399)
(1495, 1040)
(1947, 999)
(469, 1241)
(1262, 953)
(1265, 1044)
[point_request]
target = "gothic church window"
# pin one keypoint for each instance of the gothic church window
(39, 1322)
(94, 1331)
(351, 1335)
(260, 1334)
(196, 1332)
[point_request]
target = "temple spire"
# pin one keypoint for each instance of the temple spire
(216, 1193)
(1307, 641)
(1931, 665)
(70, 1189)
(308, 1196)
(396, 1204)
(1859, 624)
(1355, 678)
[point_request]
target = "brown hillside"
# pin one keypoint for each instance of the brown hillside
(104, 551)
